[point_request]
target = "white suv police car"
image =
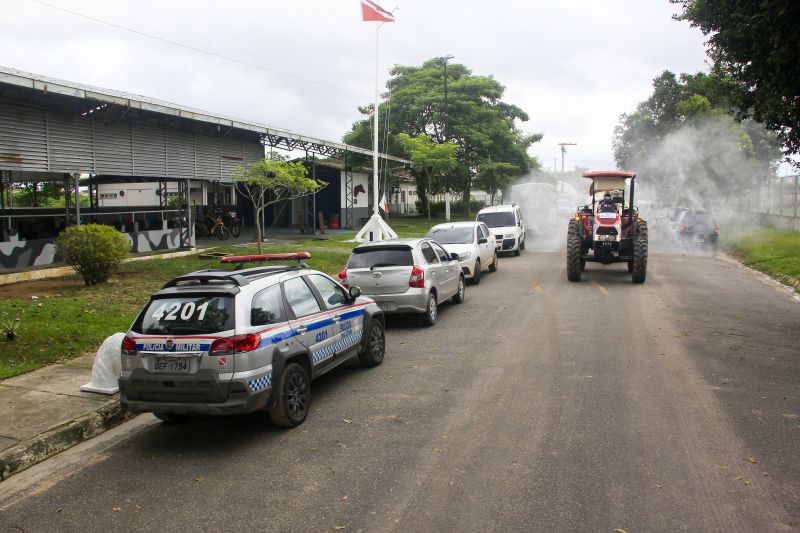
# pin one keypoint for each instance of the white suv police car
(221, 342)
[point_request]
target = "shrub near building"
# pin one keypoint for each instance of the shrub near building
(93, 250)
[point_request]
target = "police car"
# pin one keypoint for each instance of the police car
(218, 342)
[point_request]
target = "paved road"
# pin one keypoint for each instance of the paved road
(536, 405)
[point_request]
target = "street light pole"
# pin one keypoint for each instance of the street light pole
(446, 138)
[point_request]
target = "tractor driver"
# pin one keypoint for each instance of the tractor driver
(607, 204)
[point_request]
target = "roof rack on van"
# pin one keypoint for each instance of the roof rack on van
(240, 260)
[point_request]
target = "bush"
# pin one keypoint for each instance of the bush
(456, 207)
(93, 250)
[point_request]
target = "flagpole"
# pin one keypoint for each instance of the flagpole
(376, 229)
(375, 128)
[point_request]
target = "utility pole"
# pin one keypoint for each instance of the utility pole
(446, 138)
(564, 151)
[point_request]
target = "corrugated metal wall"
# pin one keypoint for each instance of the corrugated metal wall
(49, 142)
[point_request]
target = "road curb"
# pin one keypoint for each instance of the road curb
(56, 440)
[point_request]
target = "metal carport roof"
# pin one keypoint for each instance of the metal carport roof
(119, 104)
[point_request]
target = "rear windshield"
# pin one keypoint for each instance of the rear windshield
(380, 257)
(701, 218)
(451, 235)
(498, 219)
(186, 315)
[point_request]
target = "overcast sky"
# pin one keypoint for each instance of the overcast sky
(574, 66)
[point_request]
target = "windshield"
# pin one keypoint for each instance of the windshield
(451, 235)
(186, 315)
(375, 257)
(497, 219)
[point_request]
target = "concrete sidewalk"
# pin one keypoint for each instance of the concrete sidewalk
(44, 412)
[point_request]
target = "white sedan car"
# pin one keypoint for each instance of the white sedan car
(473, 242)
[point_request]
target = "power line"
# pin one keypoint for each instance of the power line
(195, 49)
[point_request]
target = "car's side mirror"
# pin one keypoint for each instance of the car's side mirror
(455, 256)
(482, 240)
(355, 292)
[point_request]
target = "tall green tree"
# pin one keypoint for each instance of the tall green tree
(430, 161)
(273, 180)
(475, 119)
(689, 136)
(755, 44)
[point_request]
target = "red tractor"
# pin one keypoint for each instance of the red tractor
(606, 231)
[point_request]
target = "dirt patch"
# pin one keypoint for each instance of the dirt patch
(45, 287)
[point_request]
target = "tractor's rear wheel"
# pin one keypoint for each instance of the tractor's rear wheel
(639, 267)
(574, 251)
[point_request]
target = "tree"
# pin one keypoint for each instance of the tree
(756, 45)
(688, 138)
(494, 176)
(428, 160)
(272, 180)
(476, 120)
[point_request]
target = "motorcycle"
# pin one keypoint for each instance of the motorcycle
(233, 222)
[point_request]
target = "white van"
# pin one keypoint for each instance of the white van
(505, 222)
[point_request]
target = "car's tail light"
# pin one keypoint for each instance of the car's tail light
(222, 347)
(239, 343)
(246, 343)
(343, 279)
(128, 346)
(417, 278)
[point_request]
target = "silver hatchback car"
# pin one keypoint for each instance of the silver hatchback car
(406, 276)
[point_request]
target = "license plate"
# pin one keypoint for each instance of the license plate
(171, 365)
(386, 307)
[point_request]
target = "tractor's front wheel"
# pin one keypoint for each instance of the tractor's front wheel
(639, 266)
(574, 251)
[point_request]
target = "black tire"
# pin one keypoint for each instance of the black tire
(639, 268)
(476, 272)
(574, 251)
(431, 310)
(294, 397)
(223, 233)
(494, 265)
(236, 230)
(169, 418)
(522, 245)
(518, 250)
(372, 354)
(461, 293)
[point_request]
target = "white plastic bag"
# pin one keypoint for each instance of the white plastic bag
(106, 367)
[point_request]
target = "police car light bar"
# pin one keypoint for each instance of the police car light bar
(242, 259)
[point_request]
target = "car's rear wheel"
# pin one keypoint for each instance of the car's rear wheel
(294, 397)
(494, 265)
(476, 272)
(574, 251)
(372, 354)
(461, 293)
(431, 310)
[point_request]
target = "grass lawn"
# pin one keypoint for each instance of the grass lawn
(68, 319)
(772, 251)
